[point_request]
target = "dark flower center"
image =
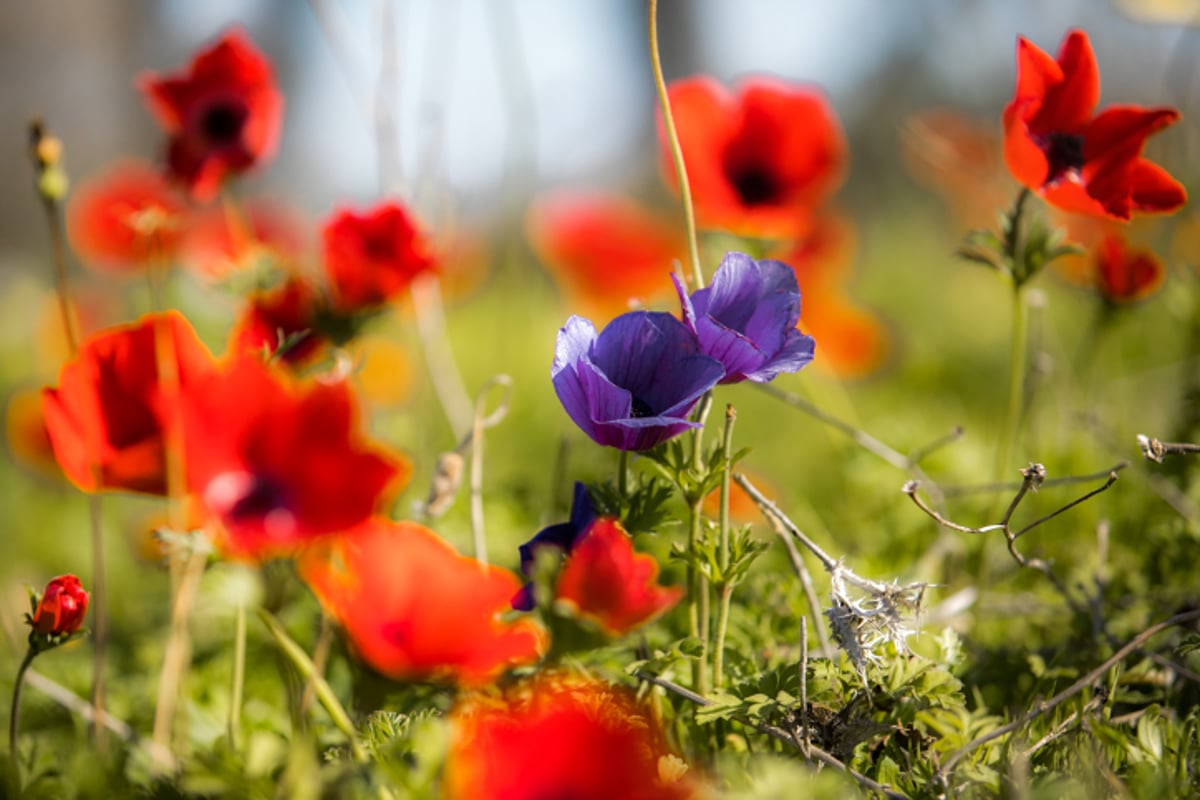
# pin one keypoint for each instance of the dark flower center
(1064, 151)
(222, 122)
(380, 246)
(640, 409)
(259, 498)
(754, 185)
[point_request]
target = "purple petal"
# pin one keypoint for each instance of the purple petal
(737, 354)
(795, 354)
(575, 340)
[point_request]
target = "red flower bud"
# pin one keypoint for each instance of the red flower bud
(62, 607)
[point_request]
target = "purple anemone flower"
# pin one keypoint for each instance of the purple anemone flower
(632, 386)
(562, 537)
(747, 319)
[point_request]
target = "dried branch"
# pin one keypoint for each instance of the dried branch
(1157, 450)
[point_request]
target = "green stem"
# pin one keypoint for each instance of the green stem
(698, 607)
(14, 715)
(685, 192)
(239, 677)
(726, 594)
(623, 473)
(309, 672)
(1016, 383)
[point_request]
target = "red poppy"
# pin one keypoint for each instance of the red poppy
(760, 161)
(1124, 274)
(226, 240)
(222, 114)
(1079, 162)
(125, 219)
(608, 253)
(107, 417)
(61, 608)
(559, 735)
(373, 257)
(416, 609)
(270, 318)
(606, 582)
(278, 464)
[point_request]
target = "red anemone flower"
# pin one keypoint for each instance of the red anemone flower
(288, 311)
(608, 253)
(560, 735)
(1079, 162)
(61, 608)
(222, 114)
(373, 257)
(125, 219)
(605, 581)
(415, 609)
(220, 242)
(758, 162)
(278, 464)
(1124, 274)
(108, 416)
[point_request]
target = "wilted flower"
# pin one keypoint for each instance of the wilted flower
(278, 464)
(607, 252)
(1079, 162)
(415, 609)
(222, 114)
(632, 386)
(373, 257)
(747, 319)
(560, 735)
(761, 161)
(125, 219)
(107, 417)
(61, 608)
(561, 536)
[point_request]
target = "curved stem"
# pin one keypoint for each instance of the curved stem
(14, 714)
(685, 192)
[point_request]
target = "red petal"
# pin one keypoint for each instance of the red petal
(1068, 105)
(1154, 190)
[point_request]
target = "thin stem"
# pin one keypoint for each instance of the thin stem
(307, 670)
(239, 677)
(176, 654)
(1155, 450)
(14, 714)
(320, 659)
(1016, 383)
(685, 191)
(439, 358)
(726, 594)
(698, 607)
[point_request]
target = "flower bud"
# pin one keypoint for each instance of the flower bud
(61, 608)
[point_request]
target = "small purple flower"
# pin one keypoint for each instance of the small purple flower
(632, 386)
(747, 319)
(562, 537)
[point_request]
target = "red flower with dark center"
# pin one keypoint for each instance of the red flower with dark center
(125, 219)
(1123, 274)
(415, 609)
(605, 581)
(107, 418)
(1076, 161)
(278, 464)
(222, 114)
(561, 736)
(273, 317)
(758, 162)
(61, 608)
(607, 252)
(373, 257)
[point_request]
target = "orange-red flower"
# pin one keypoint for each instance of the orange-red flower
(125, 218)
(415, 609)
(606, 582)
(373, 257)
(559, 735)
(222, 241)
(607, 253)
(61, 608)
(1079, 162)
(278, 464)
(270, 318)
(107, 417)
(222, 114)
(1125, 274)
(759, 162)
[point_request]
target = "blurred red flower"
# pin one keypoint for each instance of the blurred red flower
(1079, 162)
(61, 608)
(606, 252)
(278, 464)
(415, 609)
(560, 735)
(222, 113)
(290, 310)
(108, 416)
(25, 433)
(224, 240)
(125, 219)
(1124, 274)
(605, 581)
(758, 162)
(373, 257)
